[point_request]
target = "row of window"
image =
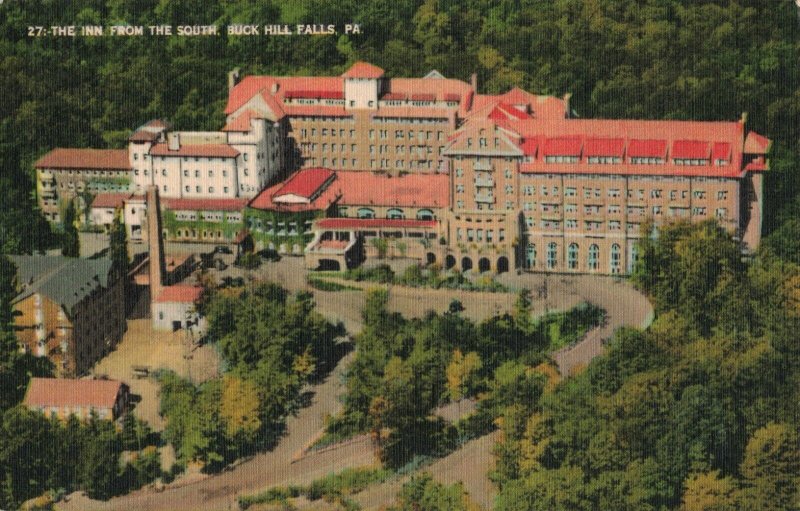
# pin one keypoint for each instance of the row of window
(478, 235)
(573, 256)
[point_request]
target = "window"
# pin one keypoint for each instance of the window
(722, 195)
(425, 214)
(366, 213)
(594, 253)
(615, 258)
(552, 255)
(531, 256)
(185, 173)
(569, 191)
(502, 236)
(395, 213)
(225, 189)
(634, 257)
(572, 256)
(721, 213)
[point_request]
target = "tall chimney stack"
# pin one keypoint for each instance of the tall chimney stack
(474, 81)
(156, 243)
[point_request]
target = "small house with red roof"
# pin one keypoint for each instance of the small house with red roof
(63, 397)
(175, 308)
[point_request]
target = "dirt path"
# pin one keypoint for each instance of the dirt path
(263, 470)
(468, 465)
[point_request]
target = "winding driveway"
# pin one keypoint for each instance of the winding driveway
(624, 305)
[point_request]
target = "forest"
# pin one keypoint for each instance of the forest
(699, 412)
(653, 59)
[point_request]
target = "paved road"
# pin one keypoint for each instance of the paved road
(624, 305)
(272, 468)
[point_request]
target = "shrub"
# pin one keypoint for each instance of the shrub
(249, 261)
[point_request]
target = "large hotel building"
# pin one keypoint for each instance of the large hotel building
(527, 185)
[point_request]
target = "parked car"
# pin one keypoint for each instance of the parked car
(223, 249)
(269, 254)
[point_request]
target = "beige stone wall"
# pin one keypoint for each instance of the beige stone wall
(56, 186)
(362, 142)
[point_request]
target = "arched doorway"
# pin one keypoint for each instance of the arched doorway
(430, 258)
(449, 262)
(466, 264)
(484, 265)
(329, 265)
(502, 264)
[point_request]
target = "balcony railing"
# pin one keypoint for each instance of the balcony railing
(485, 183)
(484, 198)
(484, 166)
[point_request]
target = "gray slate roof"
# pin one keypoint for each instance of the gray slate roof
(64, 280)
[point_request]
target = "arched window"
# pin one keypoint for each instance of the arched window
(572, 256)
(425, 214)
(552, 255)
(615, 258)
(395, 213)
(594, 255)
(531, 256)
(366, 213)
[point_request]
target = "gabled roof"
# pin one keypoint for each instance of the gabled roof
(562, 146)
(363, 70)
(305, 183)
(65, 280)
(92, 159)
(756, 144)
(179, 294)
(63, 392)
(243, 122)
(110, 200)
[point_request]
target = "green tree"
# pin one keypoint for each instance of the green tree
(70, 243)
(771, 469)
(118, 242)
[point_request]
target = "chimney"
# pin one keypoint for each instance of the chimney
(174, 141)
(274, 89)
(233, 78)
(567, 109)
(473, 80)
(743, 119)
(155, 242)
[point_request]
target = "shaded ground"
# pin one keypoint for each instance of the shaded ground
(469, 464)
(141, 345)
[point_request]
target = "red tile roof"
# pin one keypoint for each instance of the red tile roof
(562, 146)
(363, 70)
(203, 204)
(143, 136)
(58, 392)
(360, 188)
(94, 159)
(721, 151)
(242, 123)
(647, 148)
(374, 223)
(756, 144)
(305, 183)
(423, 96)
(451, 96)
(394, 96)
(605, 147)
(505, 111)
(110, 200)
(690, 149)
(180, 294)
(201, 150)
(529, 146)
